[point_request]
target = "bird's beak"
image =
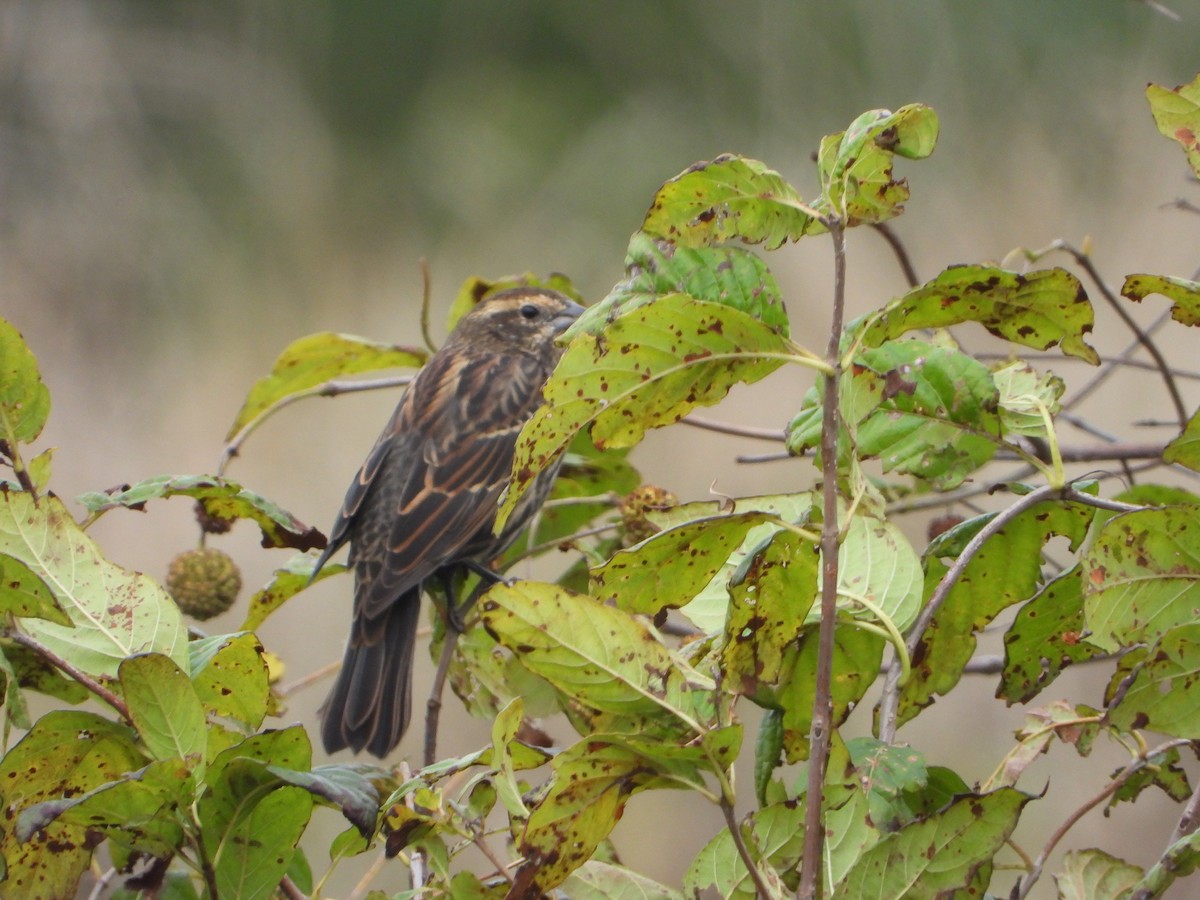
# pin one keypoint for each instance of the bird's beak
(567, 317)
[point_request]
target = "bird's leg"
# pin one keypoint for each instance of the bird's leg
(456, 613)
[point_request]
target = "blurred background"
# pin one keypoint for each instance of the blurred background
(185, 188)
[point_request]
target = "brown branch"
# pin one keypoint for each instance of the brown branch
(893, 240)
(761, 889)
(1143, 339)
(1022, 887)
(750, 431)
(821, 730)
(890, 702)
(69, 669)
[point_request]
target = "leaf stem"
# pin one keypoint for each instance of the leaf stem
(67, 668)
(739, 841)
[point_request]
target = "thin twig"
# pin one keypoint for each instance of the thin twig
(433, 708)
(67, 668)
(327, 389)
(1085, 262)
(890, 702)
(760, 887)
(888, 234)
(364, 884)
(426, 304)
(312, 677)
(1022, 887)
(821, 730)
(289, 889)
(1189, 821)
(749, 431)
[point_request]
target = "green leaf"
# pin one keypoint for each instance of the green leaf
(1158, 694)
(65, 753)
(856, 165)
(598, 656)
(776, 834)
(769, 605)
(222, 499)
(1177, 114)
(649, 368)
(1142, 576)
(596, 880)
(939, 854)
(347, 786)
(586, 472)
(895, 779)
(1007, 570)
(24, 399)
(230, 677)
(1045, 637)
(1039, 309)
(857, 655)
(315, 359)
(592, 782)
(250, 818)
(730, 198)
(286, 582)
(138, 812)
(768, 753)
(1023, 394)
(1185, 449)
(116, 613)
(1184, 293)
(669, 569)
(654, 268)
(25, 595)
(1094, 875)
(877, 563)
(34, 673)
(1180, 860)
(924, 410)
(164, 707)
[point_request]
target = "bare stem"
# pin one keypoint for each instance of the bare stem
(67, 668)
(1143, 339)
(749, 431)
(739, 841)
(327, 389)
(890, 702)
(893, 240)
(822, 717)
(1022, 888)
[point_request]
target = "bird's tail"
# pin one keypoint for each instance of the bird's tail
(370, 703)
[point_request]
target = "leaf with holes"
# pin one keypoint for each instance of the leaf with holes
(729, 198)
(1184, 294)
(654, 267)
(1041, 309)
(222, 499)
(856, 165)
(1177, 114)
(1141, 576)
(648, 368)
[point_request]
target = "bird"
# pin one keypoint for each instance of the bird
(423, 506)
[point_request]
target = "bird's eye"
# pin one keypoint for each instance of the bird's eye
(529, 311)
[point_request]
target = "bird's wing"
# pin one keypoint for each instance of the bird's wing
(456, 431)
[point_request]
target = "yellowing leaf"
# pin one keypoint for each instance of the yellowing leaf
(315, 359)
(116, 613)
(1177, 114)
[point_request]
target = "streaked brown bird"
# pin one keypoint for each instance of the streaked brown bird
(424, 503)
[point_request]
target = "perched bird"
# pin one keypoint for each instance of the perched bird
(424, 502)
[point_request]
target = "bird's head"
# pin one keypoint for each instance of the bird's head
(521, 318)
